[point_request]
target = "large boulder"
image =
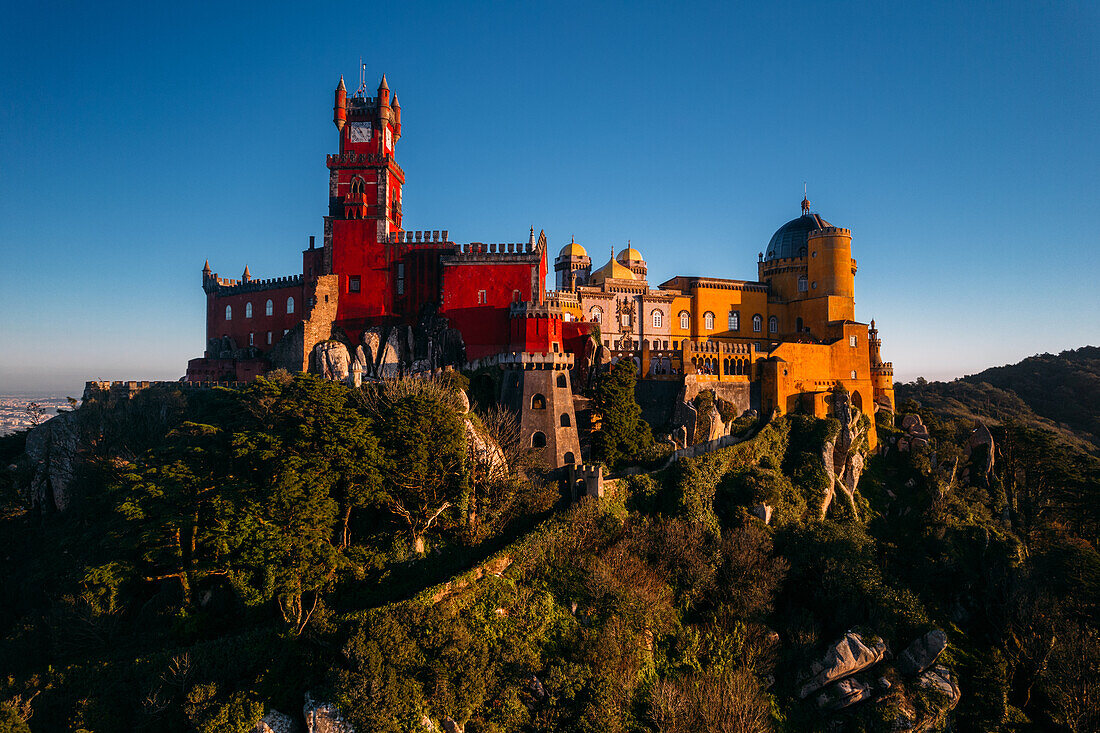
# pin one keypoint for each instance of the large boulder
(942, 680)
(980, 451)
(924, 650)
(332, 360)
(842, 694)
(323, 717)
(486, 453)
(843, 659)
(685, 416)
(276, 722)
(52, 451)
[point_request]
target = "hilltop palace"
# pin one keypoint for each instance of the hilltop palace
(378, 299)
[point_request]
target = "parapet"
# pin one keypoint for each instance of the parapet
(533, 360)
(829, 232)
(716, 347)
(525, 309)
(225, 286)
(417, 237)
(127, 389)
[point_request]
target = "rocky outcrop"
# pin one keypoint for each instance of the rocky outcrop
(709, 425)
(685, 417)
(942, 680)
(332, 360)
(53, 454)
(843, 455)
(921, 654)
(843, 659)
(763, 512)
(842, 694)
(916, 433)
(486, 453)
(276, 722)
(323, 717)
(979, 452)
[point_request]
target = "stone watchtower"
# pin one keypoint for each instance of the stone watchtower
(536, 383)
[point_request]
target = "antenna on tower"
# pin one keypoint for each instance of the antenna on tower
(362, 90)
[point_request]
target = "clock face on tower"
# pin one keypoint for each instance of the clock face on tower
(359, 132)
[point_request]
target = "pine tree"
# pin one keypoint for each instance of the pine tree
(623, 434)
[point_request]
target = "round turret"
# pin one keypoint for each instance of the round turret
(631, 259)
(572, 265)
(340, 108)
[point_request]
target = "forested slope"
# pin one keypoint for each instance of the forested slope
(225, 553)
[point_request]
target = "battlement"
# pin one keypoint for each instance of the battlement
(362, 160)
(716, 347)
(425, 236)
(829, 232)
(885, 368)
(534, 360)
(226, 286)
(534, 310)
(561, 297)
(481, 248)
(128, 389)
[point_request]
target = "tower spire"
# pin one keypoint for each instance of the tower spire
(805, 200)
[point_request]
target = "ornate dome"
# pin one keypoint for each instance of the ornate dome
(630, 254)
(611, 271)
(572, 250)
(790, 239)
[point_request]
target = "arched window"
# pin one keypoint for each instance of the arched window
(773, 325)
(538, 440)
(798, 324)
(565, 419)
(735, 320)
(708, 321)
(562, 381)
(685, 320)
(229, 313)
(269, 308)
(802, 284)
(357, 184)
(597, 314)
(289, 305)
(656, 319)
(758, 323)
(247, 310)
(569, 458)
(538, 402)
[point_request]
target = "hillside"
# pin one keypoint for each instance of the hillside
(212, 557)
(1060, 393)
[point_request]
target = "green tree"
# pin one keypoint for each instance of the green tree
(423, 440)
(623, 434)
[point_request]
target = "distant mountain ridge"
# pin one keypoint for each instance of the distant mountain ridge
(1059, 392)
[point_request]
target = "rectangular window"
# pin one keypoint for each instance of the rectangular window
(626, 320)
(269, 338)
(481, 297)
(735, 320)
(400, 278)
(353, 284)
(851, 340)
(251, 339)
(854, 374)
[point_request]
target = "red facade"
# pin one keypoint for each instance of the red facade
(385, 274)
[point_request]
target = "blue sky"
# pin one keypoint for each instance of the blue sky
(958, 142)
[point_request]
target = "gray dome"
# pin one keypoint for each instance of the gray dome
(790, 239)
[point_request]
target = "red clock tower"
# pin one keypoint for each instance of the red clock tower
(365, 205)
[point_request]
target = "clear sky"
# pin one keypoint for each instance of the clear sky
(958, 141)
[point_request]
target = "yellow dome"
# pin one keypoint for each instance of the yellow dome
(572, 250)
(611, 271)
(629, 254)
